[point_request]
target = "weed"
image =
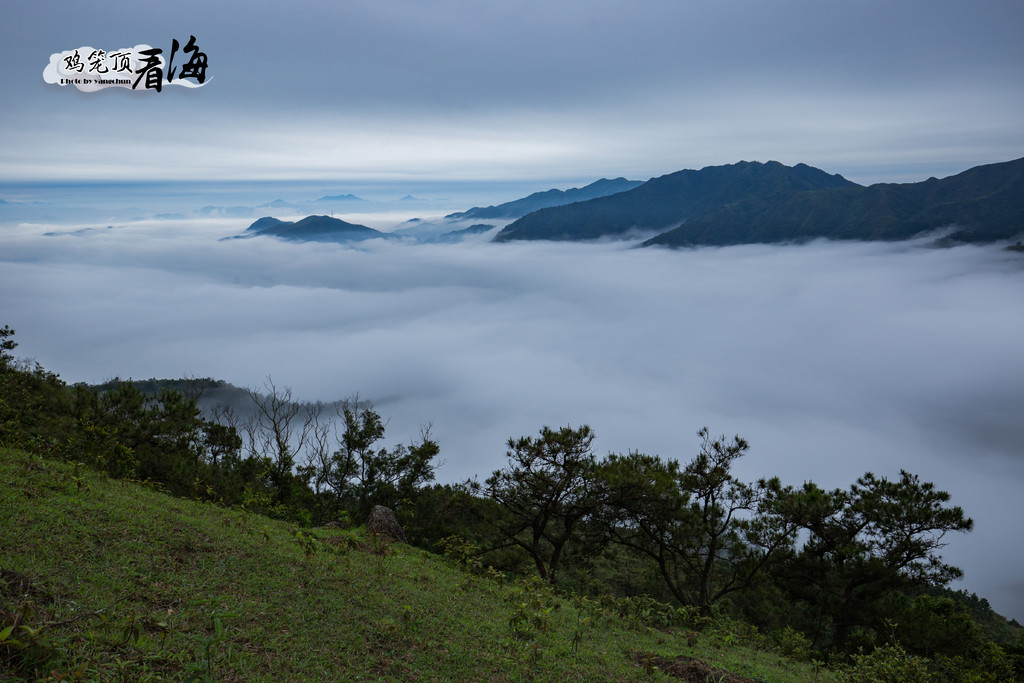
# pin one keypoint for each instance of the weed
(649, 663)
(532, 605)
(645, 612)
(582, 622)
(378, 547)
(497, 576)
(463, 552)
(343, 542)
(203, 670)
(308, 543)
(77, 478)
(132, 630)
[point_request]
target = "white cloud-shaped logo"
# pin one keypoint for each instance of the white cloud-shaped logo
(142, 67)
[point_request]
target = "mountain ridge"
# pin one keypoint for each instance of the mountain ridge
(548, 198)
(741, 203)
(666, 201)
(982, 204)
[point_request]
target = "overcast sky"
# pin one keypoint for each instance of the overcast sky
(566, 90)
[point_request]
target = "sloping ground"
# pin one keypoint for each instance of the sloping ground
(690, 670)
(111, 580)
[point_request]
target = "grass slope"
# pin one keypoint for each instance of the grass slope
(121, 582)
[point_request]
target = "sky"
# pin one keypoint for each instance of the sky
(830, 359)
(567, 91)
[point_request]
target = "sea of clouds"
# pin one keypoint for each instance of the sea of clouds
(831, 359)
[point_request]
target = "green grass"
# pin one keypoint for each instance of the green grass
(129, 584)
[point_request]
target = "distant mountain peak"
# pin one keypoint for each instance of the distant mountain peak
(341, 198)
(313, 229)
(264, 223)
(276, 204)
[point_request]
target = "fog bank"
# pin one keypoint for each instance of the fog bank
(831, 359)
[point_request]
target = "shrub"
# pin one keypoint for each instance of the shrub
(889, 664)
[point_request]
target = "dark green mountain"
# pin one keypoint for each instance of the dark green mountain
(459, 235)
(266, 223)
(982, 204)
(543, 200)
(665, 202)
(313, 229)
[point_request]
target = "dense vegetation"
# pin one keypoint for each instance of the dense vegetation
(849, 579)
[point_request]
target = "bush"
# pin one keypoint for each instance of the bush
(889, 664)
(988, 663)
(791, 643)
(642, 611)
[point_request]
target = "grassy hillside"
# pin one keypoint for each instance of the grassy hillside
(116, 581)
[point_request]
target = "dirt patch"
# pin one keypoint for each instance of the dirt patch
(690, 670)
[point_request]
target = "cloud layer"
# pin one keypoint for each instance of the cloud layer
(874, 90)
(831, 359)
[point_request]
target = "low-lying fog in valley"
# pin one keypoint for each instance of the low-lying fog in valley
(831, 359)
